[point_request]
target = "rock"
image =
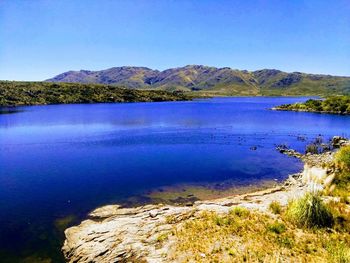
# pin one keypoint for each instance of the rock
(338, 141)
(153, 213)
(290, 152)
(127, 235)
(105, 211)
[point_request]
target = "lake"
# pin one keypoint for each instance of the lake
(59, 162)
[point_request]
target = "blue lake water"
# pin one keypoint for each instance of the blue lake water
(65, 160)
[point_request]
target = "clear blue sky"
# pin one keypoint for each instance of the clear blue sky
(40, 39)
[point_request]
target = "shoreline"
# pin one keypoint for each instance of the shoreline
(310, 111)
(113, 234)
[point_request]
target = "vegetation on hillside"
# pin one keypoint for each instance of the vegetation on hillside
(14, 93)
(341, 184)
(334, 104)
(209, 81)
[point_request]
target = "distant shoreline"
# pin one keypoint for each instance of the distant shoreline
(332, 105)
(311, 111)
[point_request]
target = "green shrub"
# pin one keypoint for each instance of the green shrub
(312, 148)
(240, 211)
(277, 227)
(275, 207)
(221, 221)
(342, 178)
(309, 211)
(342, 158)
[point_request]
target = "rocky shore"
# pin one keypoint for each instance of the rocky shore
(115, 234)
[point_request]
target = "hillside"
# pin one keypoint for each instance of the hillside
(204, 80)
(13, 93)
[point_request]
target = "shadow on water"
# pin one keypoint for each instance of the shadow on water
(9, 110)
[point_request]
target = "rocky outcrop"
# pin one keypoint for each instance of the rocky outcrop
(115, 234)
(338, 141)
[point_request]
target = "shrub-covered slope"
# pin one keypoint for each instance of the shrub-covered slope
(34, 93)
(206, 80)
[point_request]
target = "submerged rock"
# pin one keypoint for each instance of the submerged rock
(338, 141)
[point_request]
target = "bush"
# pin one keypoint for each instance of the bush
(240, 211)
(341, 182)
(277, 227)
(275, 207)
(309, 211)
(342, 158)
(312, 148)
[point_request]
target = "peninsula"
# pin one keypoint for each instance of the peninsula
(333, 105)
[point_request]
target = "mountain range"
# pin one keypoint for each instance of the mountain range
(206, 80)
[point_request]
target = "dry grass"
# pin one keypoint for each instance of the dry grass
(244, 236)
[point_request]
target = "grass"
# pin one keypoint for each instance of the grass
(342, 159)
(162, 237)
(251, 236)
(277, 227)
(309, 211)
(275, 207)
(338, 252)
(341, 183)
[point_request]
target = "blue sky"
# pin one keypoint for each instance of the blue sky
(40, 39)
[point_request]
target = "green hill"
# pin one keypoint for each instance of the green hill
(13, 93)
(204, 80)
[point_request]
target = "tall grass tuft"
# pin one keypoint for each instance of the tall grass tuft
(341, 186)
(342, 159)
(309, 211)
(275, 207)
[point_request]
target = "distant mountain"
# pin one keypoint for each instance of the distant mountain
(210, 80)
